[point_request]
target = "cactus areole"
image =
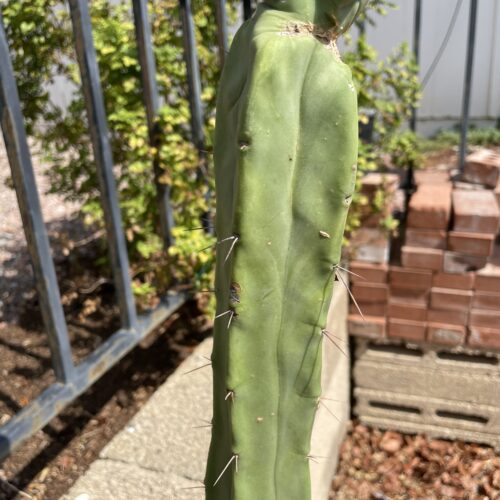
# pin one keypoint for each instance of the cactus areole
(285, 166)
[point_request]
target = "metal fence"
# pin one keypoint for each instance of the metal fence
(72, 380)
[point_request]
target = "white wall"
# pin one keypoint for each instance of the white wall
(442, 99)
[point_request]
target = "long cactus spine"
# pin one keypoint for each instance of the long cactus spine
(285, 157)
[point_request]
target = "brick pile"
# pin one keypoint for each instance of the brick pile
(445, 288)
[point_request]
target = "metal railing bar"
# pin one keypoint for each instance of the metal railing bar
(40, 411)
(469, 65)
(29, 204)
(222, 38)
(99, 132)
(152, 106)
(417, 28)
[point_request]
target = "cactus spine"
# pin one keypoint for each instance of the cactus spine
(285, 159)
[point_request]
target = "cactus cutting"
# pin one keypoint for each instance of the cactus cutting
(285, 167)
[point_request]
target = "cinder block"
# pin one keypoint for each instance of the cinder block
(449, 317)
(475, 211)
(448, 298)
(370, 326)
(370, 245)
(422, 258)
(484, 338)
(428, 371)
(403, 277)
(430, 207)
(463, 281)
(446, 334)
(406, 310)
(461, 263)
(471, 243)
(412, 296)
(484, 318)
(486, 300)
(369, 272)
(375, 309)
(413, 331)
(487, 282)
(427, 238)
(438, 418)
(482, 167)
(370, 293)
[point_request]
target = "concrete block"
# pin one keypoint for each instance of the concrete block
(446, 334)
(422, 258)
(438, 418)
(371, 326)
(455, 262)
(482, 167)
(484, 338)
(451, 299)
(471, 243)
(475, 211)
(369, 272)
(413, 331)
(403, 277)
(463, 281)
(427, 238)
(430, 207)
(449, 317)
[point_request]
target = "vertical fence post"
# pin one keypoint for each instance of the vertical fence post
(469, 64)
(417, 22)
(99, 132)
(29, 204)
(220, 12)
(151, 103)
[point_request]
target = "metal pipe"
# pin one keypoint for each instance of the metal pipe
(220, 13)
(99, 132)
(247, 9)
(34, 228)
(151, 103)
(417, 23)
(469, 64)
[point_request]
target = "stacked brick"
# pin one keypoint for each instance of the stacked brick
(446, 289)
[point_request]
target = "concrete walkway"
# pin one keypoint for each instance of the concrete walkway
(163, 449)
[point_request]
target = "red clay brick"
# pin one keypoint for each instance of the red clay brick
(471, 243)
(446, 334)
(449, 317)
(448, 298)
(484, 318)
(370, 245)
(410, 296)
(487, 338)
(486, 300)
(406, 329)
(369, 272)
(400, 310)
(370, 293)
(432, 177)
(461, 263)
(428, 238)
(371, 326)
(403, 277)
(422, 258)
(430, 207)
(373, 181)
(482, 167)
(463, 281)
(475, 211)
(377, 309)
(486, 282)
(497, 193)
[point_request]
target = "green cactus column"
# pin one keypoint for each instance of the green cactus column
(285, 158)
